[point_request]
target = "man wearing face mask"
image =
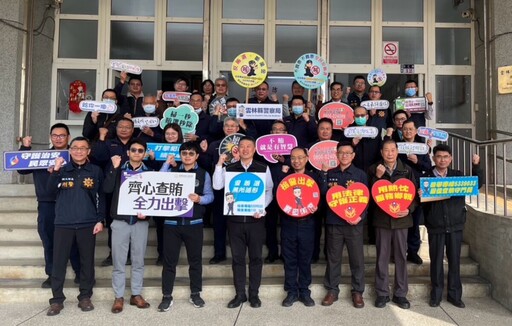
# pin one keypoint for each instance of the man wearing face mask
(419, 118)
(95, 120)
(300, 123)
(131, 103)
(366, 149)
(149, 134)
(203, 125)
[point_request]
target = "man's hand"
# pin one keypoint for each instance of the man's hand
(123, 76)
(171, 160)
(103, 134)
(59, 161)
(273, 97)
(127, 116)
(429, 97)
(204, 145)
(413, 158)
(222, 158)
(116, 161)
(259, 214)
(286, 98)
(148, 131)
(140, 216)
(97, 228)
(476, 159)
(94, 117)
(379, 172)
(403, 213)
(194, 198)
(27, 141)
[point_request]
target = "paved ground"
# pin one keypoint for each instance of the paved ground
(478, 311)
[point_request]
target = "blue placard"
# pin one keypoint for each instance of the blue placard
(449, 186)
(32, 160)
(161, 151)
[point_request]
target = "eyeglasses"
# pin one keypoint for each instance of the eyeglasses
(400, 119)
(54, 136)
(137, 150)
(135, 84)
(297, 158)
(79, 149)
(187, 153)
(374, 92)
(345, 153)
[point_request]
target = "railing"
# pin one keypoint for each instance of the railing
(494, 161)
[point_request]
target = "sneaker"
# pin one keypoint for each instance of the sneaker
(402, 302)
(166, 304)
(196, 300)
(107, 261)
(47, 283)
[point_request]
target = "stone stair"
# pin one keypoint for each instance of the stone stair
(22, 264)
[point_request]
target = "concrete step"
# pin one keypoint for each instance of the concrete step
(34, 250)
(14, 204)
(34, 269)
(221, 289)
(17, 190)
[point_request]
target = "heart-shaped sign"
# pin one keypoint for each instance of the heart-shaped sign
(349, 203)
(395, 197)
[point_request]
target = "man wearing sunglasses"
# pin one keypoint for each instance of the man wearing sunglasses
(127, 231)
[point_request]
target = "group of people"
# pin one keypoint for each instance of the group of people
(79, 198)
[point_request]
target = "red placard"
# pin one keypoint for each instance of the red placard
(298, 195)
(323, 152)
(341, 114)
(349, 203)
(393, 197)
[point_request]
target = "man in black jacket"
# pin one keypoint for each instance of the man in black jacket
(445, 221)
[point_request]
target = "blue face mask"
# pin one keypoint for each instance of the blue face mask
(149, 108)
(232, 112)
(410, 92)
(109, 100)
(360, 121)
(297, 110)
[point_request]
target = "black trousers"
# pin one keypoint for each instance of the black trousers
(174, 236)
(63, 241)
(159, 226)
(436, 243)
(336, 237)
(413, 235)
(297, 242)
(243, 237)
(219, 224)
(271, 219)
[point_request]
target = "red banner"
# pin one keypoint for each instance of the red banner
(341, 114)
(349, 203)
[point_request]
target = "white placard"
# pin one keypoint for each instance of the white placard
(244, 193)
(412, 148)
(97, 106)
(124, 66)
(183, 97)
(257, 111)
(140, 122)
(363, 132)
(156, 194)
(375, 105)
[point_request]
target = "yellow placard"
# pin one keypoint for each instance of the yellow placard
(249, 69)
(505, 80)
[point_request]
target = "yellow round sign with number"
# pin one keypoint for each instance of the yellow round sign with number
(249, 69)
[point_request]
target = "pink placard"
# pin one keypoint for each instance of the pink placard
(341, 114)
(275, 144)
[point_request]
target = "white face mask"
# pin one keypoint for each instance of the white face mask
(198, 110)
(109, 100)
(149, 108)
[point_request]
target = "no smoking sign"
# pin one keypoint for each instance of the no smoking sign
(390, 53)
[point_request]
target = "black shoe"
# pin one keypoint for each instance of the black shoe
(381, 301)
(237, 301)
(402, 302)
(215, 260)
(159, 261)
(306, 300)
(107, 261)
(433, 303)
(290, 299)
(166, 304)
(271, 259)
(47, 284)
(196, 300)
(414, 258)
(458, 304)
(255, 301)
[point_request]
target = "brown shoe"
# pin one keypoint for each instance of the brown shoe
(329, 299)
(138, 300)
(54, 309)
(357, 299)
(117, 307)
(85, 304)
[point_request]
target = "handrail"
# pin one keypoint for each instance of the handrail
(495, 163)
